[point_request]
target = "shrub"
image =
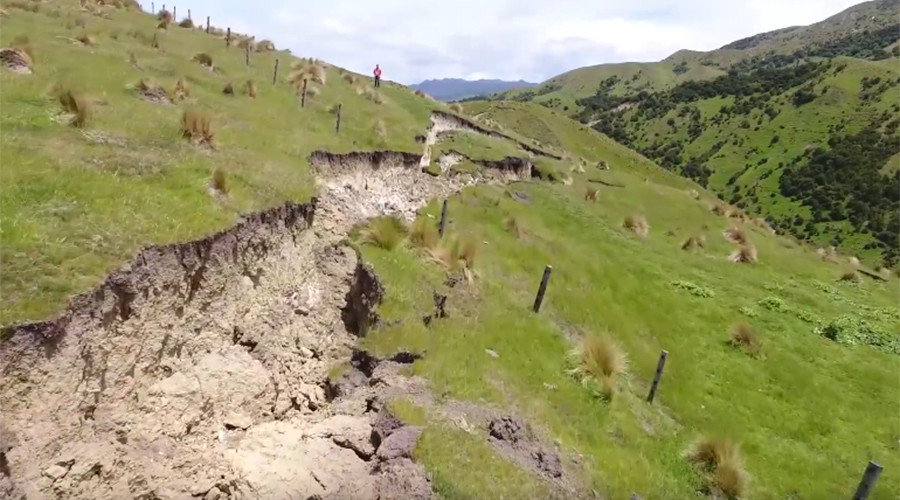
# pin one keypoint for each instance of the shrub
(721, 460)
(773, 304)
(204, 59)
(250, 88)
(598, 362)
(849, 329)
(76, 104)
(735, 235)
(218, 181)
(196, 126)
(694, 289)
(186, 23)
(743, 337)
(694, 242)
(746, 254)
(637, 224)
(387, 232)
(423, 234)
(591, 193)
(228, 89)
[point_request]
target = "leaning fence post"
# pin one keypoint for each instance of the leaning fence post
(247, 53)
(175, 13)
(443, 219)
(543, 288)
(868, 481)
(337, 126)
(228, 37)
(303, 95)
(207, 24)
(153, 8)
(275, 73)
(659, 370)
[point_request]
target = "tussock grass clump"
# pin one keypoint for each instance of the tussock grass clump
(186, 23)
(196, 126)
(637, 224)
(591, 194)
(16, 60)
(424, 234)
(204, 59)
(311, 92)
(347, 77)
(694, 194)
(599, 361)
(76, 104)
(265, 46)
(387, 232)
(370, 94)
(245, 42)
(513, 226)
(456, 108)
(852, 277)
(217, 182)
(723, 464)
(250, 88)
(853, 261)
(181, 91)
(735, 235)
(743, 337)
(827, 255)
(419, 93)
(694, 243)
(228, 89)
(311, 70)
(718, 209)
(745, 254)
(151, 91)
(86, 39)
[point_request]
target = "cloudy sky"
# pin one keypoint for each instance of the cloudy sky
(507, 39)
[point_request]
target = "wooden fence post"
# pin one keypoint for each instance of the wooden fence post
(303, 95)
(659, 370)
(153, 8)
(164, 7)
(443, 219)
(868, 481)
(228, 37)
(207, 24)
(543, 288)
(189, 15)
(175, 14)
(275, 73)
(337, 127)
(247, 54)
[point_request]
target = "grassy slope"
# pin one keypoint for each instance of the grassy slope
(809, 414)
(73, 207)
(838, 103)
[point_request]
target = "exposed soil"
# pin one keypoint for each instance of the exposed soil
(201, 369)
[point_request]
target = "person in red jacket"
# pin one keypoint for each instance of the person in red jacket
(377, 74)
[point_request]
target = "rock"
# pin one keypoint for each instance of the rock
(237, 420)
(400, 443)
(347, 382)
(85, 469)
(57, 471)
(403, 478)
(349, 432)
(213, 494)
(385, 424)
(506, 429)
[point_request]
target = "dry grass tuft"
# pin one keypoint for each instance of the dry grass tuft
(456, 108)
(851, 277)
(718, 209)
(743, 337)
(151, 91)
(370, 94)
(228, 89)
(735, 235)
(311, 92)
(599, 361)
(591, 194)
(387, 232)
(196, 126)
(694, 243)
(513, 226)
(76, 104)
(204, 59)
(86, 40)
(246, 42)
(250, 88)
(827, 255)
(186, 23)
(853, 261)
(265, 46)
(745, 254)
(181, 91)
(637, 224)
(721, 459)
(694, 194)
(347, 77)
(311, 70)
(218, 181)
(424, 234)
(467, 251)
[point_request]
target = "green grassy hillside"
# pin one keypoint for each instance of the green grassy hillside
(809, 401)
(78, 202)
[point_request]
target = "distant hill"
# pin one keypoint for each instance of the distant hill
(454, 89)
(797, 125)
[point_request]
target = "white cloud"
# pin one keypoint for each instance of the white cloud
(509, 39)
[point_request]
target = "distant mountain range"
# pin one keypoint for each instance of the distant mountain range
(454, 89)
